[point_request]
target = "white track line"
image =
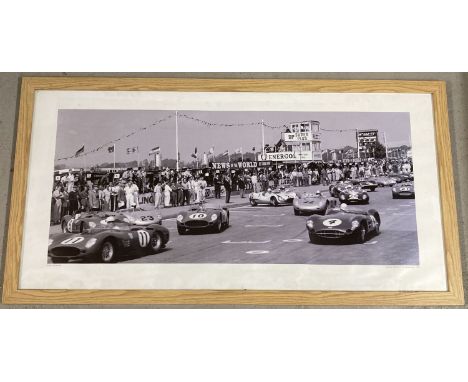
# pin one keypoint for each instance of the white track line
(265, 225)
(245, 242)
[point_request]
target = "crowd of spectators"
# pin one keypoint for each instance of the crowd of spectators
(73, 193)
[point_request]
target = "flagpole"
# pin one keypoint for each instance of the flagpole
(177, 140)
(114, 156)
(386, 148)
(263, 138)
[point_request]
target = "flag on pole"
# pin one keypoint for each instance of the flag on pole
(253, 149)
(131, 150)
(80, 151)
(111, 149)
(238, 151)
(195, 150)
(194, 156)
(226, 153)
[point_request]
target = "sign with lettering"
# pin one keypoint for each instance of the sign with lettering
(286, 156)
(233, 165)
(298, 137)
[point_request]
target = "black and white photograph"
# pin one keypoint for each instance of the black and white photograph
(233, 187)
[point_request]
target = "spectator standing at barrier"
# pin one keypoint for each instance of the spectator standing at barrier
(58, 196)
(241, 185)
(157, 195)
(324, 176)
(217, 180)
(201, 189)
(227, 182)
(185, 191)
(65, 203)
(294, 177)
(70, 181)
(135, 193)
(167, 194)
(128, 194)
(83, 197)
(72, 201)
(254, 181)
(106, 198)
(93, 199)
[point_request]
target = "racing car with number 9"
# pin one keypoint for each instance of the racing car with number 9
(341, 223)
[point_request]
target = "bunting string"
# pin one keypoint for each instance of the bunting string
(199, 121)
(120, 138)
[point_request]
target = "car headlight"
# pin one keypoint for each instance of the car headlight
(50, 241)
(310, 224)
(180, 218)
(91, 224)
(354, 224)
(280, 198)
(394, 189)
(214, 217)
(90, 242)
(364, 196)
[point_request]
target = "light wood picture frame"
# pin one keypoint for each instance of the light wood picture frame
(12, 294)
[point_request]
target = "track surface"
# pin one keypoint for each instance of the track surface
(274, 235)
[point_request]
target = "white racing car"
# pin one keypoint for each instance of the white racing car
(272, 197)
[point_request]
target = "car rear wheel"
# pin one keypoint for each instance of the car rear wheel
(253, 202)
(274, 202)
(107, 252)
(394, 196)
(296, 212)
(156, 243)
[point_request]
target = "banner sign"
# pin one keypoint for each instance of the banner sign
(367, 136)
(286, 156)
(234, 165)
(298, 137)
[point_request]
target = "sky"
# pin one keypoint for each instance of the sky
(92, 128)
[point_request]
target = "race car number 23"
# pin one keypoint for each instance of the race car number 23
(144, 218)
(332, 222)
(197, 216)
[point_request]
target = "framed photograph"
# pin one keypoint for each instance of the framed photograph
(258, 192)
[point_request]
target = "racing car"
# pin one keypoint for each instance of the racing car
(86, 220)
(308, 203)
(107, 240)
(272, 197)
(403, 177)
(383, 181)
(354, 194)
(367, 184)
(338, 187)
(341, 223)
(403, 190)
(203, 217)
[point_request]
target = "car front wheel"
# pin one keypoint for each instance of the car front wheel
(156, 243)
(253, 202)
(107, 252)
(361, 234)
(219, 226)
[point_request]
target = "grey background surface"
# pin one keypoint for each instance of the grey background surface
(457, 89)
